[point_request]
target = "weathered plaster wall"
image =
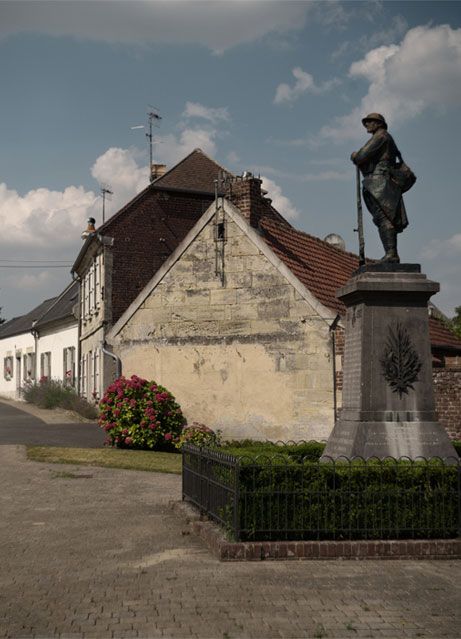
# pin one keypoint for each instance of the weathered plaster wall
(250, 357)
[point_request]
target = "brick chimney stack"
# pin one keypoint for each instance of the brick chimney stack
(245, 193)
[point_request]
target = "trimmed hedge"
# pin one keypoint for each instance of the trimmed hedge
(374, 500)
(285, 493)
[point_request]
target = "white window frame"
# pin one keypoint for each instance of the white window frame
(45, 365)
(68, 373)
(8, 365)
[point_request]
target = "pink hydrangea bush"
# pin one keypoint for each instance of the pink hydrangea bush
(136, 413)
(198, 435)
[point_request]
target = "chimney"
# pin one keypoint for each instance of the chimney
(156, 171)
(245, 193)
(90, 229)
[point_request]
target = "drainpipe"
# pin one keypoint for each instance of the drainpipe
(332, 328)
(118, 361)
(77, 277)
(35, 334)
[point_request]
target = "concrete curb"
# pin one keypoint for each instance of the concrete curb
(225, 550)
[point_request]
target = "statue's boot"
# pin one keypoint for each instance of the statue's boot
(389, 239)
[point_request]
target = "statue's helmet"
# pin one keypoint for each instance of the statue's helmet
(377, 117)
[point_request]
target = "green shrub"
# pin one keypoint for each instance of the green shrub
(356, 500)
(136, 413)
(251, 448)
(50, 393)
(198, 435)
(457, 446)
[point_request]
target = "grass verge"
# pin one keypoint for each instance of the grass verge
(151, 461)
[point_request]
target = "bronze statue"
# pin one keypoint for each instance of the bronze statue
(377, 161)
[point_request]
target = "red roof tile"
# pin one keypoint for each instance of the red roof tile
(323, 269)
(442, 336)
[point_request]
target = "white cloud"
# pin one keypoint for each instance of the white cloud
(388, 35)
(233, 157)
(169, 149)
(449, 247)
(304, 83)
(279, 201)
(216, 25)
(423, 72)
(213, 115)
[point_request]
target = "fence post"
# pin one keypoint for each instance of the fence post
(182, 474)
(236, 500)
(459, 498)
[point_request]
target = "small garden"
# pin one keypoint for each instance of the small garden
(262, 491)
(50, 393)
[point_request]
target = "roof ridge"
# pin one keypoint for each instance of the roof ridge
(312, 237)
(57, 299)
(196, 150)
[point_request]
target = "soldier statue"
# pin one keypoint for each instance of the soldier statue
(381, 193)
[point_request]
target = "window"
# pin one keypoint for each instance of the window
(83, 368)
(68, 374)
(28, 367)
(92, 289)
(45, 365)
(8, 368)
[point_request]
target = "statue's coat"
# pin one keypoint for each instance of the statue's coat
(380, 192)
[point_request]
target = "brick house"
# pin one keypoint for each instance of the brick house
(117, 260)
(242, 324)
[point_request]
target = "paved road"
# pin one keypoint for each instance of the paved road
(19, 427)
(93, 552)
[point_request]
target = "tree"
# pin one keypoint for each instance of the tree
(456, 322)
(2, 319)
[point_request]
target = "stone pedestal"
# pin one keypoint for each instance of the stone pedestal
(388, 399)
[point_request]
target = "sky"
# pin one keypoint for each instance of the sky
(273, 87)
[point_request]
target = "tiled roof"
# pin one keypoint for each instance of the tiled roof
(196, 172)
(24, 323)
(442, 336)
(323, 269)
(62, 306)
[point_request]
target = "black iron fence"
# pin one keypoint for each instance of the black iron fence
(278, 497)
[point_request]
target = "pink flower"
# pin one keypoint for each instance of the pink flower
(128, 441)
(125, 431)
(168, 436)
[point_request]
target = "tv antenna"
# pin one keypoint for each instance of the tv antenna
(105, 191)
(153, 119)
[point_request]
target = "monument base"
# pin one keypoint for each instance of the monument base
(389, 439)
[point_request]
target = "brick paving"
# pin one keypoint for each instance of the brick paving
(93, 552)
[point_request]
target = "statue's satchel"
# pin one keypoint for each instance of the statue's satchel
(402, 175)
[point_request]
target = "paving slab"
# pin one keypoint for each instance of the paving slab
(97, 552)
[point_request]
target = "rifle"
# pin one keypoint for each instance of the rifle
(359, 228)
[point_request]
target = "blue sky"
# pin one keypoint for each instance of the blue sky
(276, 87)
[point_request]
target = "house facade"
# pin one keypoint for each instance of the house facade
(40, 344)
(119, 258)
(242, 323)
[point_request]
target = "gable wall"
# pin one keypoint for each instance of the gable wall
(251, 357)
(145, 236)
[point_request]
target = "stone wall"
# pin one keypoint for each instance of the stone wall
(250, 357)
(447, 389)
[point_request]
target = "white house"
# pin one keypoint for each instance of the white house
(41, 343)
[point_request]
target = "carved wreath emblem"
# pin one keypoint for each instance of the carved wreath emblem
(400, 362)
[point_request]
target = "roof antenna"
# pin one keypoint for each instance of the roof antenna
(105, 191)
(152, 116)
